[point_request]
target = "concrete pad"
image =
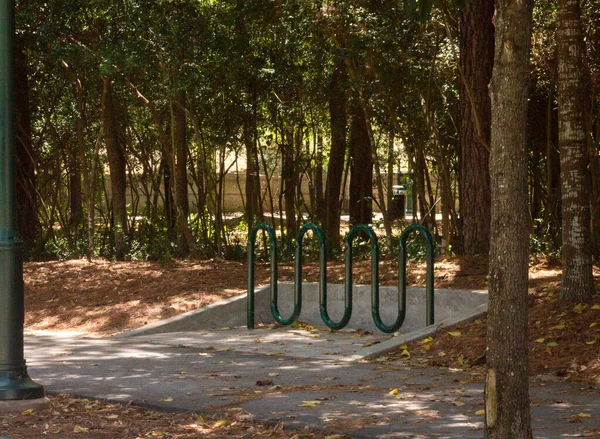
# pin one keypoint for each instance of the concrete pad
(232, 312)
(353, 398)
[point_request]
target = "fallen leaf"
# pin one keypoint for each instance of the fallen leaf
(403, 347)
(480, 412)
(427, 340)
(394, 392)
(552, 344)
(221, 423)
(274, 374)
(157, 434)
(27, 412)
(596, 306)
(79, 429)
(167, 399)
(593, 324)
(405, 353)
(580, 308)
(454, 334)
(584, 415)
(557, 327)
(309, 403)
(590, 342)
(458, 403)
(540, 340)
(336, 436)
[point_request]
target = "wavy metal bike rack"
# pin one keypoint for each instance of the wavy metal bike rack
(323, 307)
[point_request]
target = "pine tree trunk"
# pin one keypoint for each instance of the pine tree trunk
(507, 382)
(337, 156)
(115, 152)
(577, 278)
(476, 61)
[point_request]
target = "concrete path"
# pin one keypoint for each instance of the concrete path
(337, 396)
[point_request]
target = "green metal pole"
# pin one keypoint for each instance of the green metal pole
(15, 384)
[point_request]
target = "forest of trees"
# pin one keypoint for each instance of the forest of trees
(158, 97)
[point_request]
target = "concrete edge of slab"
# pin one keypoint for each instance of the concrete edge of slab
(394, 343)
(156, 327)
(19, 406)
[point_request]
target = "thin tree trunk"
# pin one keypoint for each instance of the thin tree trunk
(289, 177)
(319, 201)
(181, 173)
(26, 185)
(476, 61)
(115, 152)
(577, 278)
(507, 410)
(77, 161)
(335, 170)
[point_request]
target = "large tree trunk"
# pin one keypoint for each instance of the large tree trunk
(26, 190)
(476, 61)
(335, 170)
(577, 279)
(115, 152)
(181, 173)
(507, 383)
(361, 168)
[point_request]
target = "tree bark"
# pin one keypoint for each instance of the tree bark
(361, 168)
(476, 61)
(577, 278)
(115, 152)
(507, 383)
(337, 156)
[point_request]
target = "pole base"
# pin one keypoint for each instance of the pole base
(15, 384)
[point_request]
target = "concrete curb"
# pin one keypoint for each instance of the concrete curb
(19, 406)
(180, 322)
(393, 343)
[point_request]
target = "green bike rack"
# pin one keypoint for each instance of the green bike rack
(375, 302)
(374, 279)
(429, 294)
(274, 290)
(318, 232)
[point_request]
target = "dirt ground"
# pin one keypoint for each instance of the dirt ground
(69, 418)
(104, 298)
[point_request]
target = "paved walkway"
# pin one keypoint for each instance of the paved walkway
(205, 373)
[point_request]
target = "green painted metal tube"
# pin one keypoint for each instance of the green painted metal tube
(251, 268)
(374, 280)
(274, 290)
(429, 291)
(318, 232)
(374, 273)
(15, 383)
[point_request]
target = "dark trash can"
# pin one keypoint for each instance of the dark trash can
(397, 209)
